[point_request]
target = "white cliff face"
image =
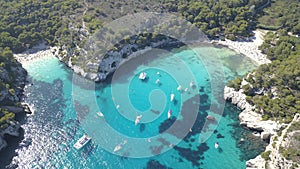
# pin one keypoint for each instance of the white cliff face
(252, 120)
(98, 68)
(276, 159)
(267, 129)
(248, 117)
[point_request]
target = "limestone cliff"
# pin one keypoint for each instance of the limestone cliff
(13, 78)
(268, 131)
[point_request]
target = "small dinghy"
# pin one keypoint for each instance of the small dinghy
(179, 88)
(216, 145)
(157, 81)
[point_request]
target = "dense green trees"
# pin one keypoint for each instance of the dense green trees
(9, 84)
(281, 14)
(26, 23)
(279, 81)
(231, 18)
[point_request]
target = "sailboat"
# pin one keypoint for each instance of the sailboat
(169, 113)
(138, 119)
(172, 97)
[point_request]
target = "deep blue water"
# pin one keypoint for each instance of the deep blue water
(66, 107)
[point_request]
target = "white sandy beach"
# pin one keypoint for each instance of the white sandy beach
(36, 52)
(248, 48)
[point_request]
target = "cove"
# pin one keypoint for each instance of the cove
(66, 107)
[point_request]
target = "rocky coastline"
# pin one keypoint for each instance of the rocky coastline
(99, 69)
(12, 127)
(267, 130)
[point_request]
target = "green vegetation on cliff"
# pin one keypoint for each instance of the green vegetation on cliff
(275, 88)
(281, 14)
(11, 83)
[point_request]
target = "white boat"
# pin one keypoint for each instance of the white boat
(118, 147)
(82, 142)
(169, 113)
(143, 76)
(216, 145)
(192, 84)
(138, 119)
(100, 114)
(172, 97)
(179, 88)
(157, 81)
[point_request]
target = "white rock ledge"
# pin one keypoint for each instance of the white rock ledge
(248, 117)
(252, 120)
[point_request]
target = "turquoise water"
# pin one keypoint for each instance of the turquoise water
(66, 107)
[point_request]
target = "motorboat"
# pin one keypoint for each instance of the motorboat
(118, 147)
(172, 97)
(100, 114)
(169, 113)
(82, 142)
(138, 119)
(143, 75)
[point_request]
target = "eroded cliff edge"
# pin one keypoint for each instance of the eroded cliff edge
(273, 132)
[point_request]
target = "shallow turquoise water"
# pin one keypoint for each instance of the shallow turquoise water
(66, 107)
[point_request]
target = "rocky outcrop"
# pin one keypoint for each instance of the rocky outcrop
(268, 131)
(276, 159)
(99, 67)
(13, 79)
(248, 117)
(12, 129)
(256, 163)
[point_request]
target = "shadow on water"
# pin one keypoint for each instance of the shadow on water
(153, 164)
(194, 156)
(251, 146)
(154, 111)
(142, 127)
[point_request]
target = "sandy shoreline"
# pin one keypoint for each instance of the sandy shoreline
(37, 52)
(248, 48)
